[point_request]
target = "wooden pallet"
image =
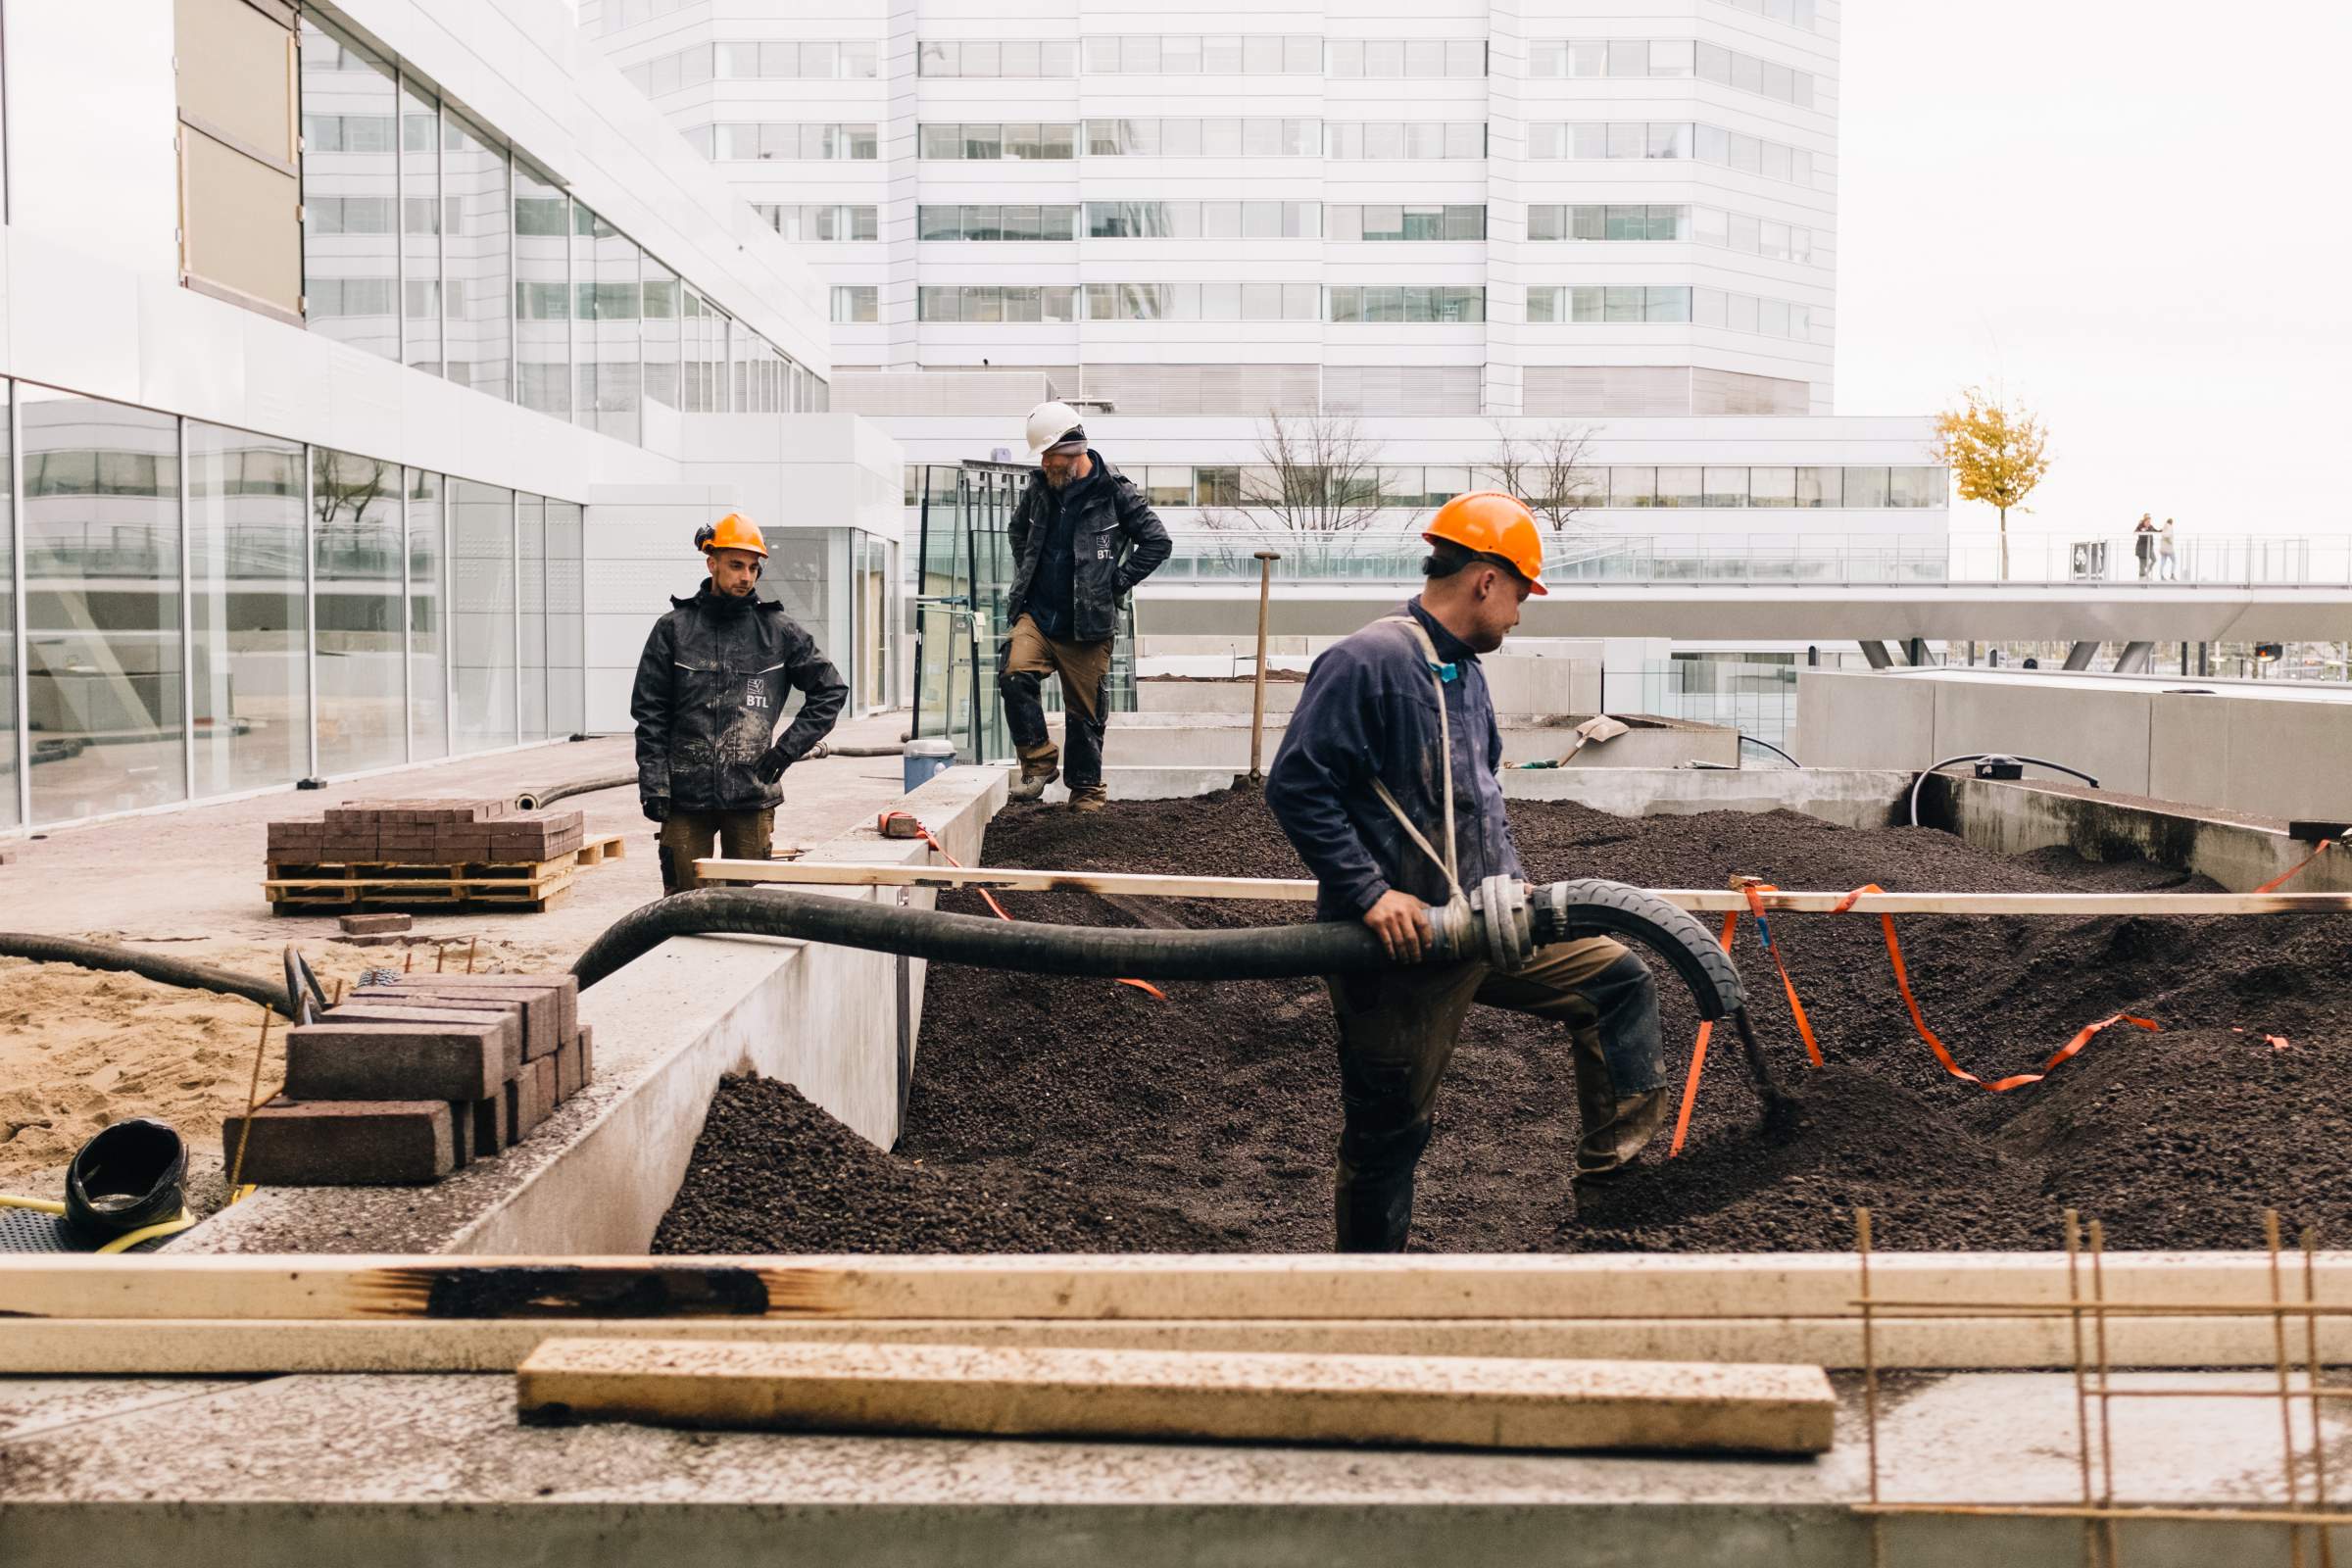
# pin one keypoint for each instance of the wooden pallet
(528, 886)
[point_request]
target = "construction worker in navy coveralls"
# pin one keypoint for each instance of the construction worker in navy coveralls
(1395, 737)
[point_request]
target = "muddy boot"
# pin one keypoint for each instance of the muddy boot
(1090, 797)
(1036, 773)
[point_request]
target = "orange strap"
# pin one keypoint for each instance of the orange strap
(2083, 1036)
(1145, 986)
(1756, 892)
(2325, 846)
(1699, 1056)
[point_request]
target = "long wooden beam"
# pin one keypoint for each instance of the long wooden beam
(1158, 1286)
(1696, 899)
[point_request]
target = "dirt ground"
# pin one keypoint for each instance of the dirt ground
(1056, 1115)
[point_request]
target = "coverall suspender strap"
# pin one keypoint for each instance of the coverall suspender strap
(1438, 674)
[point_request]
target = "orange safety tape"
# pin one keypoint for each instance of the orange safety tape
(2325, 846)
(1143, 986)
(1756, 892)
(2083, 1036)
(1699, 1056)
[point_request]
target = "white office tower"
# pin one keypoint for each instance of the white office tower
(1440, 222)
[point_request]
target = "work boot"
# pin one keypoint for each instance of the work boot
(1036, 774)
(1089, 797)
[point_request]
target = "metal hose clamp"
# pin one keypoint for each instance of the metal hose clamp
(1501, 904)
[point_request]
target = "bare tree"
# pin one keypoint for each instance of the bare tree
(1316, 474)
(346, 484)
(1546, 468)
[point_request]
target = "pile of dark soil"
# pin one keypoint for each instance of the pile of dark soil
(1077, 1114)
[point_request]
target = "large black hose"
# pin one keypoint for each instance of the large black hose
(270, 994)
(1257, 952)
(541, 800)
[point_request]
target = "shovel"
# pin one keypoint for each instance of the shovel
(1601, 727)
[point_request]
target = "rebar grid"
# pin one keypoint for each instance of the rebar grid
(2094, 1385)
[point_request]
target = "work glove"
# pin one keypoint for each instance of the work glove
(654, 806)
(771, 764)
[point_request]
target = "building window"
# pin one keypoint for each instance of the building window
(991, 303)
(1414, 56)
(1795, 13)
(1203, 138)
(1023, 59)
(1642, 224)
(1203, 301)
(1214, 55)
(1708, 144)
(1420, 305)
(1414, 139)
(240, 232)
(1233, 220)
(351, 189)
(755, 141)
(1395, 223)
(1027, 141)
(857, 302)
(993, 221)
(245, 546)
(1672, 58)
(820, 224)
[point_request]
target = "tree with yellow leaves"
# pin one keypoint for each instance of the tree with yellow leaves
(1997, 452)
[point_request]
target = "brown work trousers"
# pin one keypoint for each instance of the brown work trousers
(1029, 655)
(1397, 1030)
(688, 836)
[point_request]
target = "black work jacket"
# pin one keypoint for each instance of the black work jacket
(708, 688)
(1116, 541)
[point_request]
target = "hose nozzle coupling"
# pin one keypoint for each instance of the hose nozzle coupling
(1503, 921)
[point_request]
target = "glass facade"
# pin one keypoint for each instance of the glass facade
(427, 243)
(1708, 144)
(210, 611)
(1672, 56)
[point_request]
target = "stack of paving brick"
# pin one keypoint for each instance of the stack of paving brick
(425, 832)
(410, 1080)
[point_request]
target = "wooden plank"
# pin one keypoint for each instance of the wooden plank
(1454, 1401)
(260, 1347)
(1696, 899)
(1156, 1286)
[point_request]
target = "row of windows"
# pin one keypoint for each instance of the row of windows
(1219, 137)
(1409, 138)
(756, 61)
(749, 140)
(1021, 59)
(1706, 225)
(1415, 485)
(1447, 303)
(1021, 142)
(1396, 221)
(1174, 302)
(1216, 55)
(1236, 220)
(1796, 13)
(821, 222)
(1411, 57)
(1672, 57)
(1708, 144)
(1650, 303)
(439, 249)
(990, 221)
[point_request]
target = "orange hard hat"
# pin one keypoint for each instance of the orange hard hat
(1491, 523)
(734, 532)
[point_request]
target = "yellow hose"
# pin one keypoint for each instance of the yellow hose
(39, 1205)
(170, 1227)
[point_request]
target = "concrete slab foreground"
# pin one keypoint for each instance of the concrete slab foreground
(369, 1471)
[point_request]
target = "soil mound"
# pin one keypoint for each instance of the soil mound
(1053, 1115)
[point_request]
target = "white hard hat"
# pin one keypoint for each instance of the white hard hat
(1051, 424)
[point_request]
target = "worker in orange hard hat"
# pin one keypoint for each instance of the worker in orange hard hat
(1386, 782)
(710, 688)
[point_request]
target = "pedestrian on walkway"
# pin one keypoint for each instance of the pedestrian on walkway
(1083, 536)
(2143, 543)
(710, 687)
(2168, 566)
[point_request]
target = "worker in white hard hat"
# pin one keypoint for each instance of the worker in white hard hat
(712, 684)
(1083, 536)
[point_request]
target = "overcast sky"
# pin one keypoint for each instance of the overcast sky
(2136, 216)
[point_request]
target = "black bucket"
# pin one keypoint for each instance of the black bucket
(131, 1176)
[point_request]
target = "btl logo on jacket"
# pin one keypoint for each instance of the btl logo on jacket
(754, 695)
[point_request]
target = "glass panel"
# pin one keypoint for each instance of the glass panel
(616, 373)
(102, 628)
(1262, 56)
(428, 670)
(1914, 487)
(1866, 487)
(356, 541)
(1772, 487)
(661, 333)
(476, 320)
(1820, 487)
(542, 293)
(1726, 487)
(245, 565)
(530, 548)
(1678, 487)
(421, 227)
(482, 614)
(1633, 487)
(350, 190)
(1629, 57)
(567, 624)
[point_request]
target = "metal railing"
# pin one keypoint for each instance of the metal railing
(1814, 560)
